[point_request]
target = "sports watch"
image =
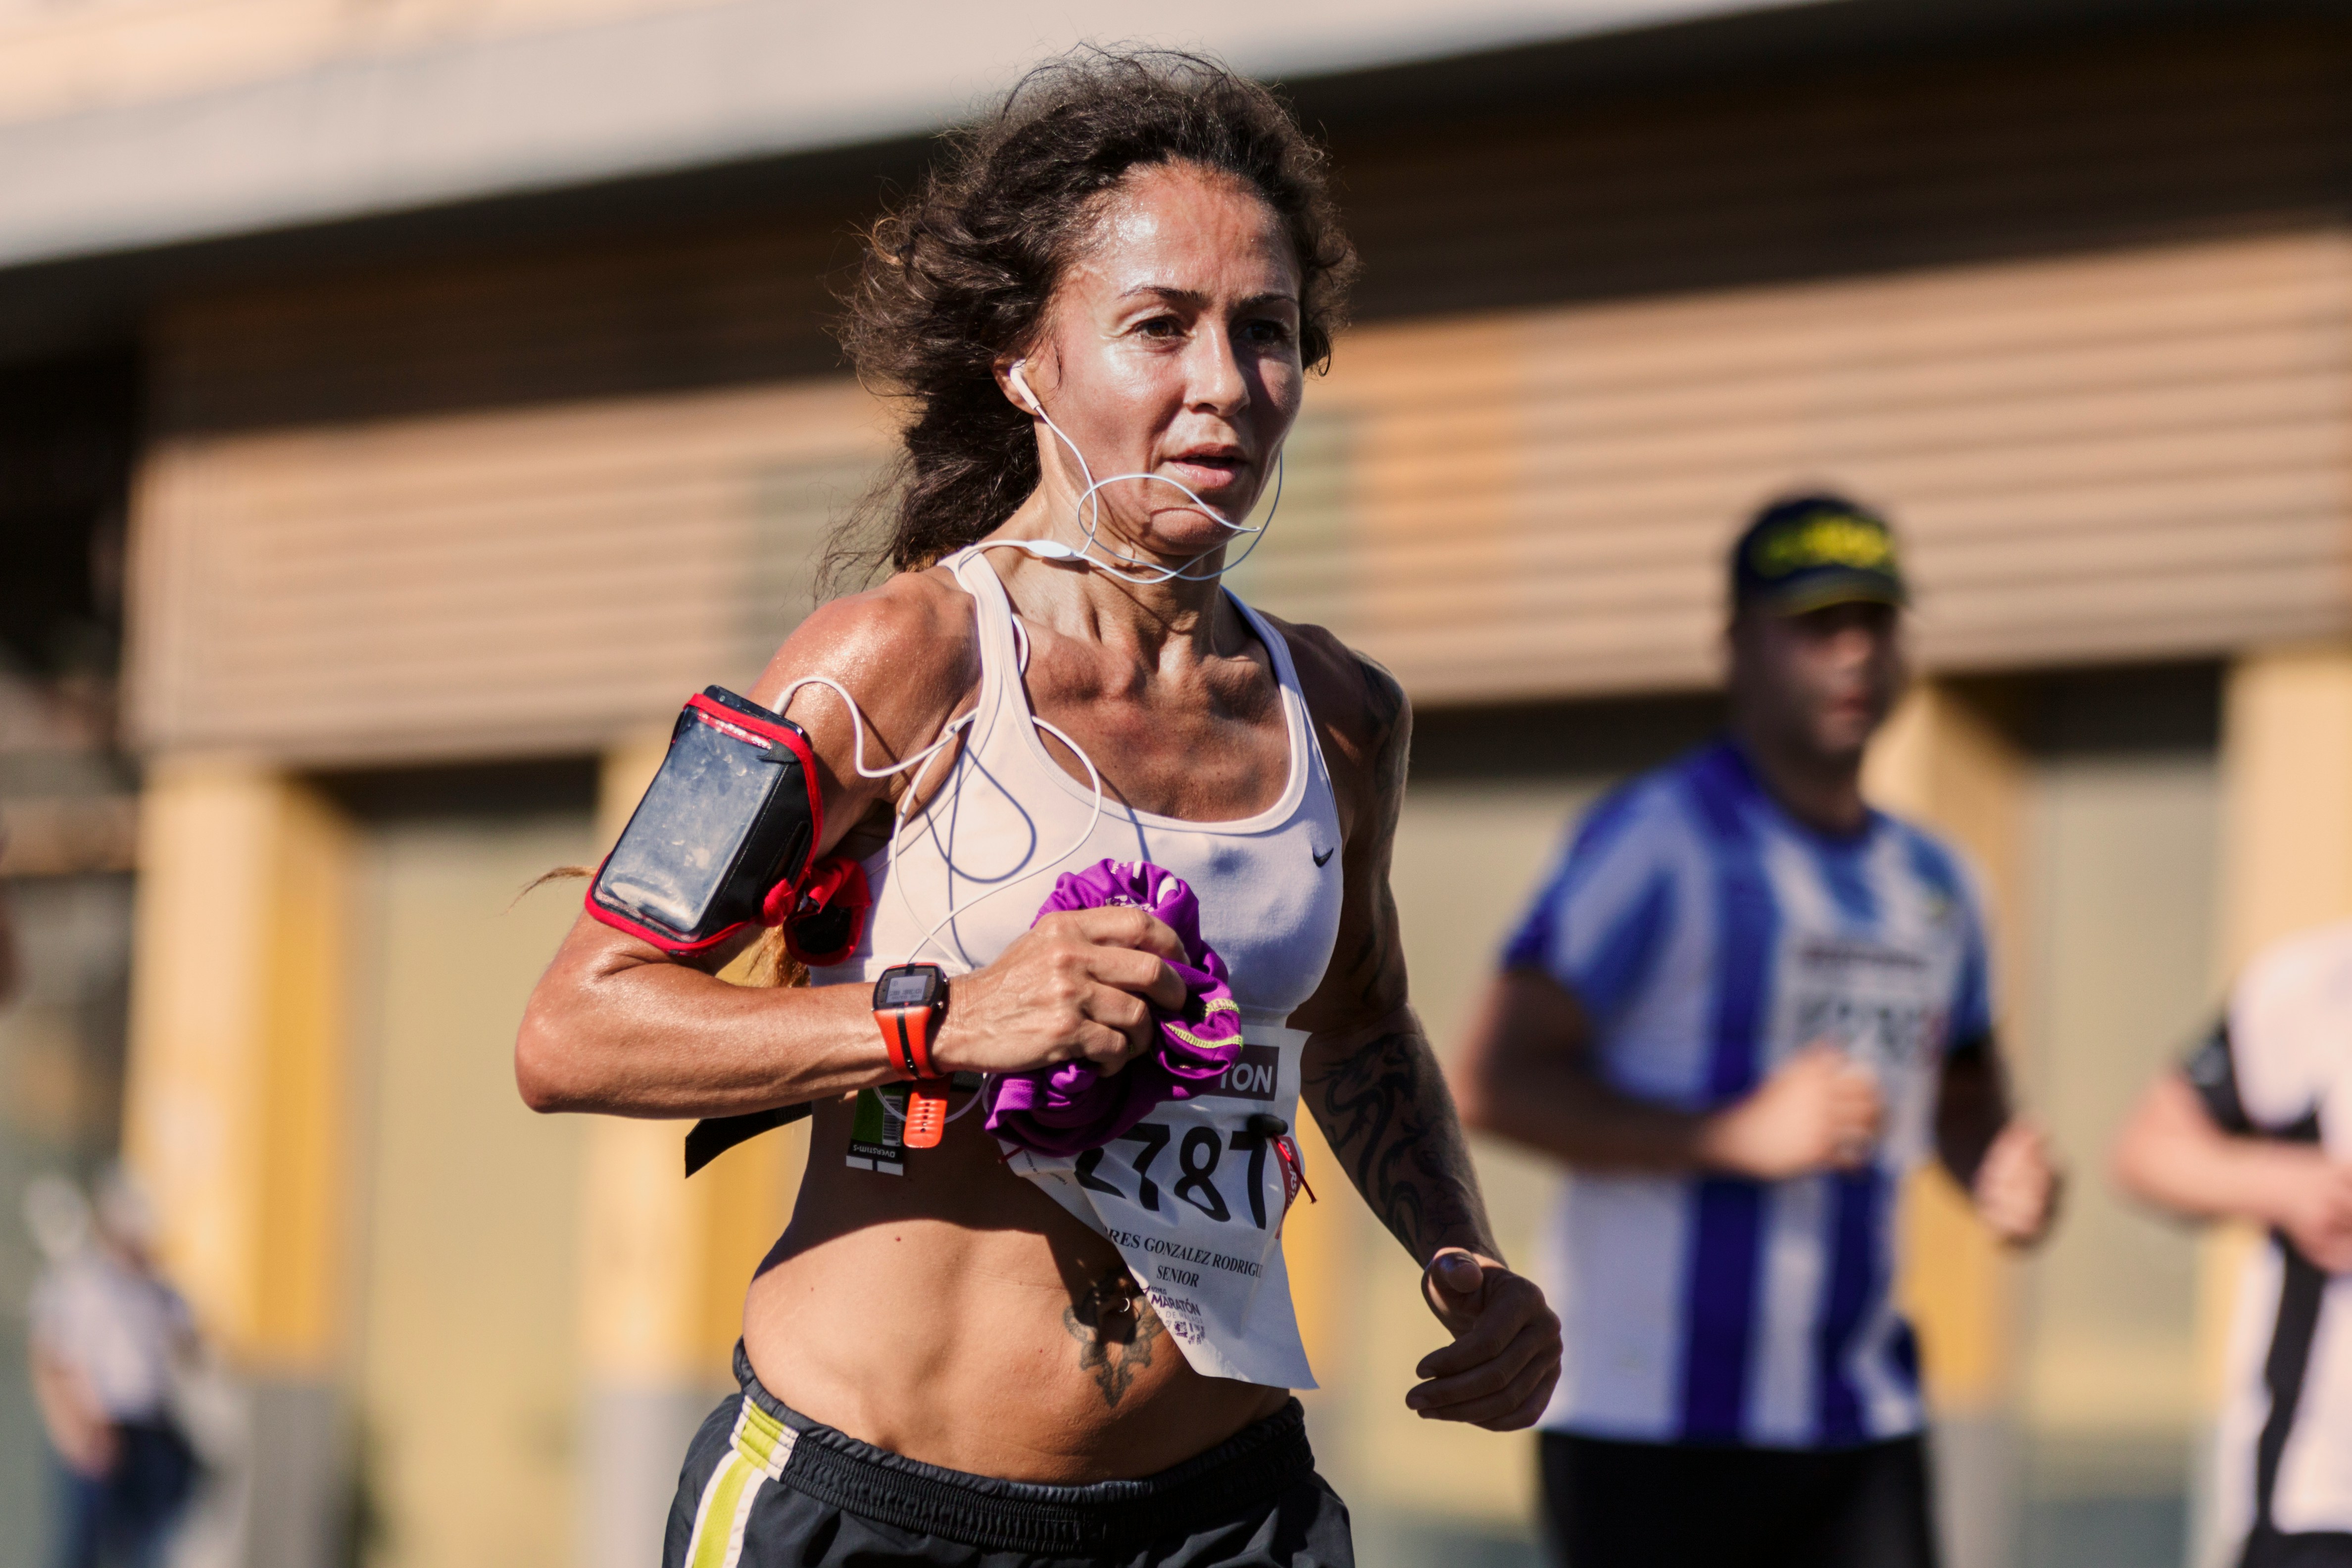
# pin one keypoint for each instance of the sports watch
(909, 1003)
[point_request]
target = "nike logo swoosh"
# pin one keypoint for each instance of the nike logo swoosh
(1326, 855)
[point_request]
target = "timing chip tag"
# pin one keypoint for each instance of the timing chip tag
(876, 1140)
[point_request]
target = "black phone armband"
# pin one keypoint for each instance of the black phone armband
(724, 835)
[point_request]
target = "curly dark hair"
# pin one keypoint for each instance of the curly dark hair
(960, 273)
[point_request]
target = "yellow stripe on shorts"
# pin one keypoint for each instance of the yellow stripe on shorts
(756, 1453)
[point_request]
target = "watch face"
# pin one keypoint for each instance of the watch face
(905, 989)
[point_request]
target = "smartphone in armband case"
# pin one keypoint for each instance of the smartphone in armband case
(726, 830)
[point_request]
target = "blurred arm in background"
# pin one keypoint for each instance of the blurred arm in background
(2172, 1153)
(1527, 1073)
(77, 1429)
(2004, 1162)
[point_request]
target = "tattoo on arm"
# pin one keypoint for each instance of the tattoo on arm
(1115, 1327)
(1370, 1076)
(1391, 1121)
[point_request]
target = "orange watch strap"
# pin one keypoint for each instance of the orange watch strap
(916, 1023)
(906, 1037)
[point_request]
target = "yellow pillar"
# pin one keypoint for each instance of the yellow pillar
(665, 1263)
(235, 1105)
(2286, 774)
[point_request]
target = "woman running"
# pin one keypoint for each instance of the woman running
(1100, 311)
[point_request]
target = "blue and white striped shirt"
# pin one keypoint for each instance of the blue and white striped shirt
(1710, 936)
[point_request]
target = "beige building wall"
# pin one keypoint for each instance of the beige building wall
(467, 1380)
(1522, 504)
(2287, 775)
(484, 584)
(1543, 497)
(2127, 867)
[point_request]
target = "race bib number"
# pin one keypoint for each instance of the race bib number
(1883, 1006)
(1879, 1005)
(1194, 1198)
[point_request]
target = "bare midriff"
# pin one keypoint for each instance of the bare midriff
(957, 1316)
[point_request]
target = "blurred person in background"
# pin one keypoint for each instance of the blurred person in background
(2257, 1126)
(1743, 1008)
(108, 1334)
(945, 1359)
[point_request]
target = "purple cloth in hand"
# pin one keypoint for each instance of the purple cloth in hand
(1067, 1109)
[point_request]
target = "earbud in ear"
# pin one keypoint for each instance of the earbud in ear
(1017, 379)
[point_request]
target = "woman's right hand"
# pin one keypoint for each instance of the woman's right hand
(1076, 986)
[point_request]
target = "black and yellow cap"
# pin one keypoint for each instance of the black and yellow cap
(1811, 552)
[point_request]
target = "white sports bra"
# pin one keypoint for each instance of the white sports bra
(1009, 816)
(1193, 1197)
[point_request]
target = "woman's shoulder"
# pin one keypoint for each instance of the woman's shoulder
(912, 635)
(1357, 705)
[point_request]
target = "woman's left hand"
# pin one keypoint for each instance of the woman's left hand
(1499, 1371)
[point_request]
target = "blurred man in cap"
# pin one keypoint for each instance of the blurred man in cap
(1743, 1007)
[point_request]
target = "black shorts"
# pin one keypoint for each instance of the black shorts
(765, 1487)
(2266, 1548)
(1660, 1505)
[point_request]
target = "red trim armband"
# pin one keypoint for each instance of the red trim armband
(663, 940)
(721, 837)
(824, 916)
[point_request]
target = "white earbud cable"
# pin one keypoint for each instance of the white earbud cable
(921, 761)
(1087, 514)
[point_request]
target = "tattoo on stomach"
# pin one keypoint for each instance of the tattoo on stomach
(1116, 1329)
